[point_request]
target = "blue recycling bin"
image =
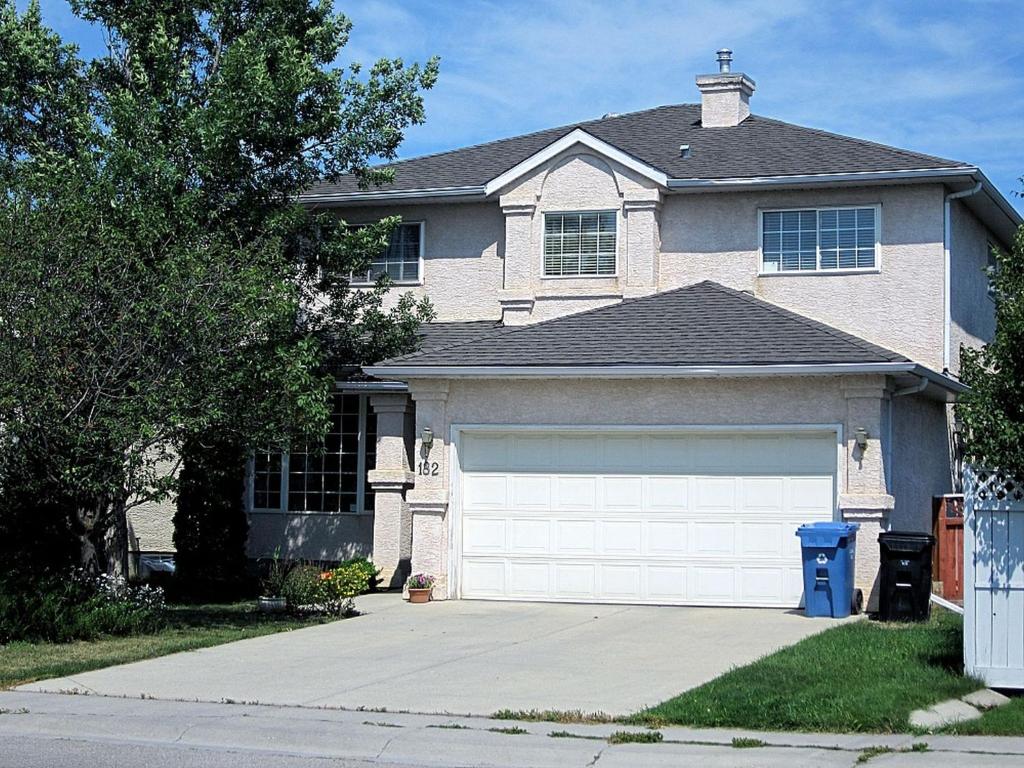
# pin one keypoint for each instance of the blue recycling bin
(828, 557)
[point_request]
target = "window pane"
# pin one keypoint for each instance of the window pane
(400, 260)
(579, 243)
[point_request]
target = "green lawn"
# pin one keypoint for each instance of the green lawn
(863, 676)
(187, 628)
(1007, 720)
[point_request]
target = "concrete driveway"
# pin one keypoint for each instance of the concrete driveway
(465, 657)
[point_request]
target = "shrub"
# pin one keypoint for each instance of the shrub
(76, 607)
(312, 589)
(364, 565)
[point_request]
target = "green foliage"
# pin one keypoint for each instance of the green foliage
(312, 589)
(210, 525)
(159, 281)
(76, 607)
(635, 737)
(992, 411)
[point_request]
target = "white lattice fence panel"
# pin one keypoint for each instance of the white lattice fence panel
(994, 576)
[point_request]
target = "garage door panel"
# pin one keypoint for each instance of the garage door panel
(763, 493)
(714, 583)
(575, 492)
(482, 535)
(485, 578)
(623, 453)
(575, 579)
(683, 518)
(667, 538)
(714, 494)
(529, 536)
(575, 537)
(714, 539)
(529, 579)
(667, 494)
(762, 539)
(622, 537)
(621, 581)
(622, 493)
(666, 583)
(531, 491)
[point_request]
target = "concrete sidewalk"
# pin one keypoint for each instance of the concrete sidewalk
(51, 730)
(467, 657)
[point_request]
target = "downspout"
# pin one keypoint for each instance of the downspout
(947, 342)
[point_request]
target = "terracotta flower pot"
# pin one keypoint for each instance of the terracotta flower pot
(419, 595)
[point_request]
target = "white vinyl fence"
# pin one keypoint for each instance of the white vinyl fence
(994, 577)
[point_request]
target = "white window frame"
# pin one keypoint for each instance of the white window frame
(361, 509)
(543, 228)
(762, 272)
(422, 224)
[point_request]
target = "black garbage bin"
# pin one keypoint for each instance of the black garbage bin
(906, 582)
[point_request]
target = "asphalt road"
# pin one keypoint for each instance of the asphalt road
(64, 731)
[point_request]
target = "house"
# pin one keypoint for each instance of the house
(664, 340)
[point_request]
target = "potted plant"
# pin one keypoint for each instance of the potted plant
(272, 599)
(419, 586)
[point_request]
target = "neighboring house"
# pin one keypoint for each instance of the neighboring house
(664, 340)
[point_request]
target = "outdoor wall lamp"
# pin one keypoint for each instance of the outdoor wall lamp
(427, 438)
(860, 436)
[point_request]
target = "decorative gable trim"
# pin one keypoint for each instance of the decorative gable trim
(571, 139)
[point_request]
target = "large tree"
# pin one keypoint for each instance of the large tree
(992, 411)
(159, 279)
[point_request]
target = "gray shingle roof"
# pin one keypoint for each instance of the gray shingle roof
(759, 146)
(700, 325)
(438, 335)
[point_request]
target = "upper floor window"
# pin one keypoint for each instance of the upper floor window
(401, 259)
(579, 244)
(819, 239)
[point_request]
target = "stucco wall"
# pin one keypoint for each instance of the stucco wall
(920, 460)
(847, 401)
(479, 255)
(972, 312)
(715, 237)
(310, 536)
(462, 256)
(151, 526)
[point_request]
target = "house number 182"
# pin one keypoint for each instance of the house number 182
(428, 468)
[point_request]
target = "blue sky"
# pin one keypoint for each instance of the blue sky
(946, 78)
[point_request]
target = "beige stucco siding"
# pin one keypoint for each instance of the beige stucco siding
(151, 526)
(315, 537)
(716, 237)
(462, 256)
(920, 460)
(972, 312)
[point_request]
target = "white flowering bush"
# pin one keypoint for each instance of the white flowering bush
(78, 606)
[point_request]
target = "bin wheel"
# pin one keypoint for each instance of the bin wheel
(857, 602)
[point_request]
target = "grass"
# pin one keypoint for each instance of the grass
(859, 677)
(553, 716)
(513, 731)
(634, 737)
(741, 742)
(187, 628)
(1007, 720)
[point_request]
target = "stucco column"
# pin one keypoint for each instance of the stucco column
(392, 522)
(428, 499)
(516, 296)
(642, 245)
(866, 499)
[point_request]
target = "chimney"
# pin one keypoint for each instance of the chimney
(725, 97)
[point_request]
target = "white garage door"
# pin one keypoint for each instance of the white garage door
(700, 518)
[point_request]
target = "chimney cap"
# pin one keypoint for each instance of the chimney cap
(724, 60)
